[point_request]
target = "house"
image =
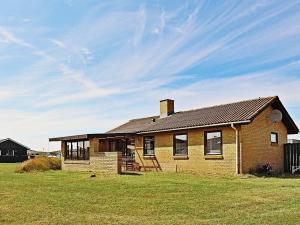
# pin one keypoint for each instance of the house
(224, 139)
(12, 151)
(34, 153)
(293, 141)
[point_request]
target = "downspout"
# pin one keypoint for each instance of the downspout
(237, 143)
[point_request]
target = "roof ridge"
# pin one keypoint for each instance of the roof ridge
(10, 139)
(207, 107)
(225, 104)
(148, 117)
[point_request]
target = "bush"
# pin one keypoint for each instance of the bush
(265, 169)
(39, 164)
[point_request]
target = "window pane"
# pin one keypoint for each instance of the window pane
(149, 146)
(3, 152)
(74, 150)
(11, 152)
(86, 144)
(68, 152)
(80, 144)
(180, 144)
(213, 143)
(80, 150)
(274, 137)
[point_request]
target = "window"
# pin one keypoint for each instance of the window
(213, 143)
(274, 138)
(74, 150)
(77, 150)
(3, 152)
(149, 145)
(11, 152)
(180, 144)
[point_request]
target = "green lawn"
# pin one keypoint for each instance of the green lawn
(151, 198)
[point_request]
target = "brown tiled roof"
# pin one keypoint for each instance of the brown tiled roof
(238, 112)
(134, 126)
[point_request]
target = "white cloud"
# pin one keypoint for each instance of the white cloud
(161, 27)
(9, 38)
(87, 89)
(85, 51)
(4, 95)
(224, 90)
(58, 43)
(140, 27)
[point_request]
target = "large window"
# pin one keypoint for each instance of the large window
(274, 138)
(213, 143)
(149, 146)
(77, 150)
(9, 152)
(180, 144)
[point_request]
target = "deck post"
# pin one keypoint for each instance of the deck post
(63, 149)
(94, 146)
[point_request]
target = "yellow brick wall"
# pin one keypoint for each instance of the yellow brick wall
(109, 162)
(256, 143)
(196, 161)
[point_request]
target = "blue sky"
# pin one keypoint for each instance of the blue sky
(76, 66)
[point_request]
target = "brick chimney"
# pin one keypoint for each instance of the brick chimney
(166, 107)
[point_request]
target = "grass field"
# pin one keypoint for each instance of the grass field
(152, 198)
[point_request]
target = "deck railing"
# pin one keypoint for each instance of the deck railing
(129, 164)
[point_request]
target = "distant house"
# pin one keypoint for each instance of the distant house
(33, 153)
(293, 141)
(225, 139)
(12, 151)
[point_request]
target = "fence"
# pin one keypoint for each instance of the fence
(292, 158)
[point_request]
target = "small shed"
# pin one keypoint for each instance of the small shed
(11, 151)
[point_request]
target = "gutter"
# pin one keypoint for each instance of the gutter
(238, 153)
(195, 127)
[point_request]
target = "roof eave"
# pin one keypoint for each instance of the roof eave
(88, 136)
(292, 128)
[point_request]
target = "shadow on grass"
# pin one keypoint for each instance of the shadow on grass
(130, 174)
(280, 176)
